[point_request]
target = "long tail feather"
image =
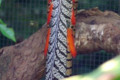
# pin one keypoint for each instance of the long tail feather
(70, 40)
(69, 64)
(49, 1)
(73, 19)
(50, 13)
(47, 42)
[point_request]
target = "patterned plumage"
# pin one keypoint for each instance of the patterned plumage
(60, 40)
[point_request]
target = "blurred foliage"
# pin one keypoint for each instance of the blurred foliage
(0, 2)
(25, 16)
(7, 32)
(109, 70)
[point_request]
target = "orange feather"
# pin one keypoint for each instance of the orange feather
(50, 13)
(70, 40)
(73, 19)
(73, 1)
(49, 1)
(47, 42)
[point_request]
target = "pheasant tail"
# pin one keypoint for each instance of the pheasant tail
(70, 40)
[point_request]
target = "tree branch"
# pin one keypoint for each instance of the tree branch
(95, 30)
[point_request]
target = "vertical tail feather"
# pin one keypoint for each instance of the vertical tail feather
(59, 62)
(70, 41)
(73, 19)
(69, 64)
(47, 42)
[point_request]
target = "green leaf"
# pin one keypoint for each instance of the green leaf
(0, 2)
(7, 32)
(117, 78)
(1, 22)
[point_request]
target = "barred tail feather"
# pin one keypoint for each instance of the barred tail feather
(57, 63)
(69, 64)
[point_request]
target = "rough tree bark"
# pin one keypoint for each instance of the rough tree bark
(95, 30)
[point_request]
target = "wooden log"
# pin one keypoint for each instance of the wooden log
(95, 30)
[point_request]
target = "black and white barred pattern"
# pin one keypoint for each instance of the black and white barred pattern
(57, 51)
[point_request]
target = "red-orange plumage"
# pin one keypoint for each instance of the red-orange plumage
(49, 1)
(73, 1)
(70, 41)
(73, 19)
(50, 13)
(47, 42)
